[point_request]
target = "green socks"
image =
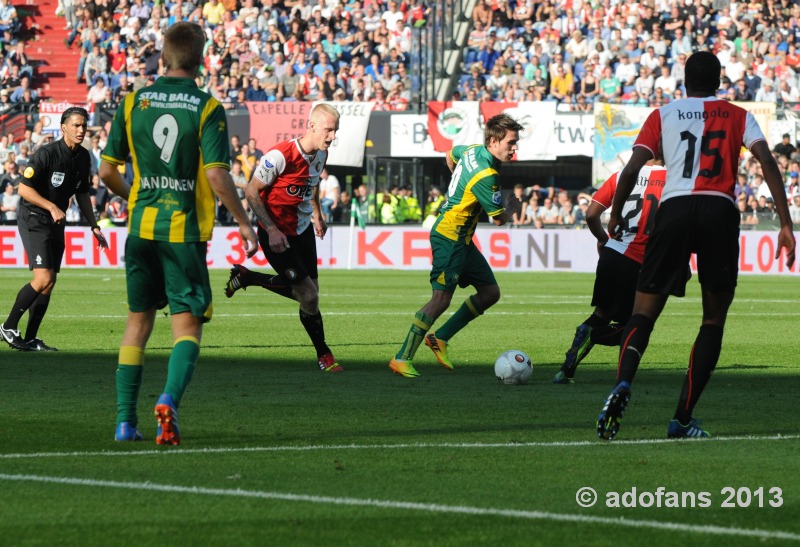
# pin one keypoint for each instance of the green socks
(129, 379)
(181, 366)
(468, 311)
(416, 334)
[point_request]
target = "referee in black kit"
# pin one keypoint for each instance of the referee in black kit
(54, 173)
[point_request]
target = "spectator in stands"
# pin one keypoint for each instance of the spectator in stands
(793, 186)
(9, 20)
(329, 192)
(785, 147)
(497, 82)
(9, 204)
(24, 93)
(401, 37)
(289, 83)
(566, 208)
(788, 92)
(123, 89)
(11, 78)
(18, 58)
(645, 83)
(558, 61)
(659, 98)
(742, 92)
(477, 38)
(581, 104)
(5, 104)
(254, 92)
(681, 44)
(95, 66)
(516, 204)
(482, 13)
(649, 59)
(96, 94)
(532, 214)
(794, 209)
(766, 93)
(634, 99)
(577, 47)
(562, 85)
(724, 88)
(488, 54)
(625, 71)
(548, 212)
(666, 82)
(247, 160)
(11, 173)
(610, 87)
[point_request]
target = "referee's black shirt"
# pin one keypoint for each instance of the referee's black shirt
(56, 173)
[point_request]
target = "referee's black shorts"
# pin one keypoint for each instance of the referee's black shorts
(615, 285)
(42, 238)
(298, 261)
(705, 225)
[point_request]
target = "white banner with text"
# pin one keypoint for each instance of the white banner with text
(408, 248)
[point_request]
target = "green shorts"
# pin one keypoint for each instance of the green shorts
(456, 264)
(161, 273)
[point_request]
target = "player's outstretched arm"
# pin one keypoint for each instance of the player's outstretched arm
(222, 184)
(772, 176)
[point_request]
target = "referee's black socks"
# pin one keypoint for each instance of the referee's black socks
(26, 296)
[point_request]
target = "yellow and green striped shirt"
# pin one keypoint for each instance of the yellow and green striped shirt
(473, 186)
(173, 132)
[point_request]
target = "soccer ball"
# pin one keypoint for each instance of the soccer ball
(513, 367)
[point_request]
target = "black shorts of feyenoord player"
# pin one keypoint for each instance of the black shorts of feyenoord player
(298, 261)
(702, 224)
(615, 285)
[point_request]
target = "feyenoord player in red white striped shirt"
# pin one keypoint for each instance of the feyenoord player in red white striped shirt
(701, 137)
(618, 265)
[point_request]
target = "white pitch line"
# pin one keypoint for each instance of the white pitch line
(413, 506)
(334, 447)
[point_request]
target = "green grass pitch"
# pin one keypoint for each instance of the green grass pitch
(276, 453)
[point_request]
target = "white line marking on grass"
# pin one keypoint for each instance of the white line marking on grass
(413, 506)
(320, 447)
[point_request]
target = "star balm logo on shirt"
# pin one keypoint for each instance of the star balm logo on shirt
(28, 173)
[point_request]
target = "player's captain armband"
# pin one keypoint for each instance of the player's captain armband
(497, 198)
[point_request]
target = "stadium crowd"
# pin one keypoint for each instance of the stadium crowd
(577, 53)
(256, 51)
(574, 53)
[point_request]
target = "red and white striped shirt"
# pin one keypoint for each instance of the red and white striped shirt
(289, 176)
(639, 212)
(701, 139)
